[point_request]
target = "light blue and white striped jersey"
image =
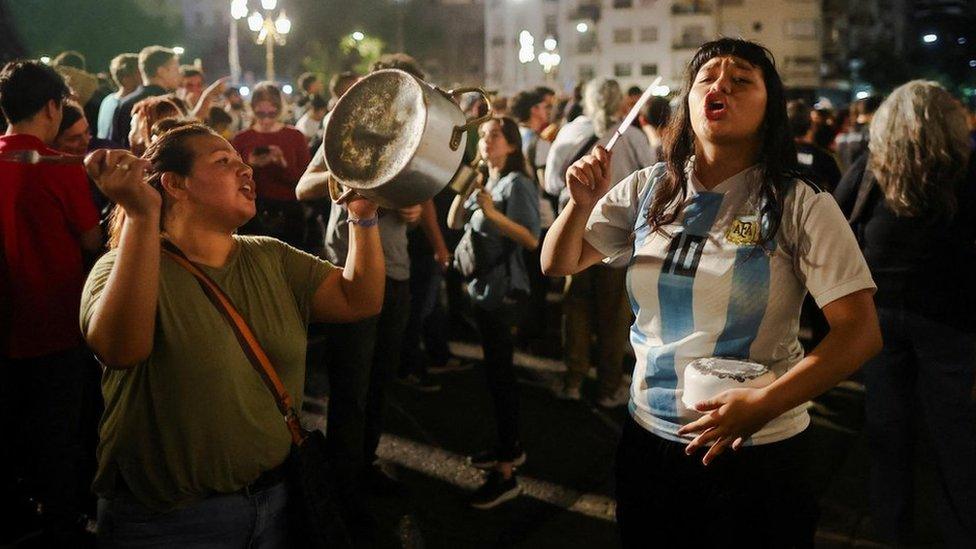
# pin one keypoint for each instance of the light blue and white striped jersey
(702, 287)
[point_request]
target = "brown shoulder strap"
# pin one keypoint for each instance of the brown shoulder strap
(245, 336)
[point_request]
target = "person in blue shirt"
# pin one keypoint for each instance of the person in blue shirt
(500, 217)
(125, 73)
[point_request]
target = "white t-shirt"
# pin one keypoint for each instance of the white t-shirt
(705, 289)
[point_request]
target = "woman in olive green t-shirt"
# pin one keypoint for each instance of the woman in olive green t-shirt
(191, 439)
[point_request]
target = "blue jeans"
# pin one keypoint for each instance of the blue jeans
(926, 370)
(221, 521)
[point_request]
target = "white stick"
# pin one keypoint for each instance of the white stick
(634, 111)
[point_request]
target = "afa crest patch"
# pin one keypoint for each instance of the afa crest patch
(744, 230)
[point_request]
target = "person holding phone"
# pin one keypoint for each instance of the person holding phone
(278, 153)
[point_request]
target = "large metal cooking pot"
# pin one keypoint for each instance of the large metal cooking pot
(396, 139)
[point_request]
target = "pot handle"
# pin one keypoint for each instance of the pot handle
(472, 123)
(338, 193)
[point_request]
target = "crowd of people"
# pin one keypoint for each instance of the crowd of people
(720, 222)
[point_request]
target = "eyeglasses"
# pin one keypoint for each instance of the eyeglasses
(266, 114)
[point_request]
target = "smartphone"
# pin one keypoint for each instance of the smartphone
(261, 151)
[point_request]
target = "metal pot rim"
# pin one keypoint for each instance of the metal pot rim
(387, 177)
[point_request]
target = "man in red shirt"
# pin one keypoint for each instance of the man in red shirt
(47, 220)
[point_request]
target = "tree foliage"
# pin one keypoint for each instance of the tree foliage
(98, 29)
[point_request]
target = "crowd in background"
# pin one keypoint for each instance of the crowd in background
(51, 401)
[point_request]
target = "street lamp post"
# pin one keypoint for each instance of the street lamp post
(270, 31)
(238, 11)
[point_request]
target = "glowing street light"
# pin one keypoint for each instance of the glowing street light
(45, 59)
(526, 47)
(549, 59)
(358, 36)
(179, 50)
(287, 89)
(245, 91)
(270, 31)
(238, 9)
(930, 38)
(282, 23)
(582, 27)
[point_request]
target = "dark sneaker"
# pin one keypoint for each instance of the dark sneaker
(420, 383)
(453, 364)
(495, 491)
(379, 483)
(489, 459)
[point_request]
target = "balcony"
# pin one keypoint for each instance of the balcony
(693, 7)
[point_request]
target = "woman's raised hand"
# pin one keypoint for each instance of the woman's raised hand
(120, 176)
(588, 178)
(361, 208)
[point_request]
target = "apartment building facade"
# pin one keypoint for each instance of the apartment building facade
(635, 41)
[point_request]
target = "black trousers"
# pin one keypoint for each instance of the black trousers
(923, 377)
(427, 323)
(42, 410)
(365, 357)
(758, 496)
(499, 347)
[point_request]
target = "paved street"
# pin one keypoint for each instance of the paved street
(567, 496)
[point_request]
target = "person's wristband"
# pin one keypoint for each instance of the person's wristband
(368, 222)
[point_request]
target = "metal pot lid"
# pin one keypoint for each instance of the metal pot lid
(375, 129)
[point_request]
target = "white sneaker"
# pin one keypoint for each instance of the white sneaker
(564, 391)
(619, 398)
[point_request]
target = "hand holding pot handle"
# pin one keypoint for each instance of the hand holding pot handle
(471, 123)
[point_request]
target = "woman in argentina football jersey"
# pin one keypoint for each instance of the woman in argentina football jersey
(724, 242)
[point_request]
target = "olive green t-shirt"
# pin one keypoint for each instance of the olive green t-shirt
(195, 418)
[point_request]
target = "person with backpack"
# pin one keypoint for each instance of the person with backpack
(500, 219)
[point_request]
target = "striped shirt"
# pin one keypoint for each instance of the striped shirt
(702, 287)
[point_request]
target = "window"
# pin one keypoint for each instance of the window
(649, 69)
(802, 64)
(622, 69)
(498, 41)
(586, 42)
(619, 4)
(586, 72)
(552, 25)
(693, 34)
(801, 29)
(623, 36)
(648, 34)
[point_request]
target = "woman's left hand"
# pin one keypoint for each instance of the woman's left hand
(730, 418)
(361, 208)
(486, 202)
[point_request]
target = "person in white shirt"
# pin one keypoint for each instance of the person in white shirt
(595, 300)
(311, 123)
(723, 242)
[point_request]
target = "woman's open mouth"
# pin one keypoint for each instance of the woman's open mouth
(715, 109)
(248, 191)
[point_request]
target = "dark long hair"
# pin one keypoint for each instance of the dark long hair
(516, 159)
(777, 154)
(168, 153)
